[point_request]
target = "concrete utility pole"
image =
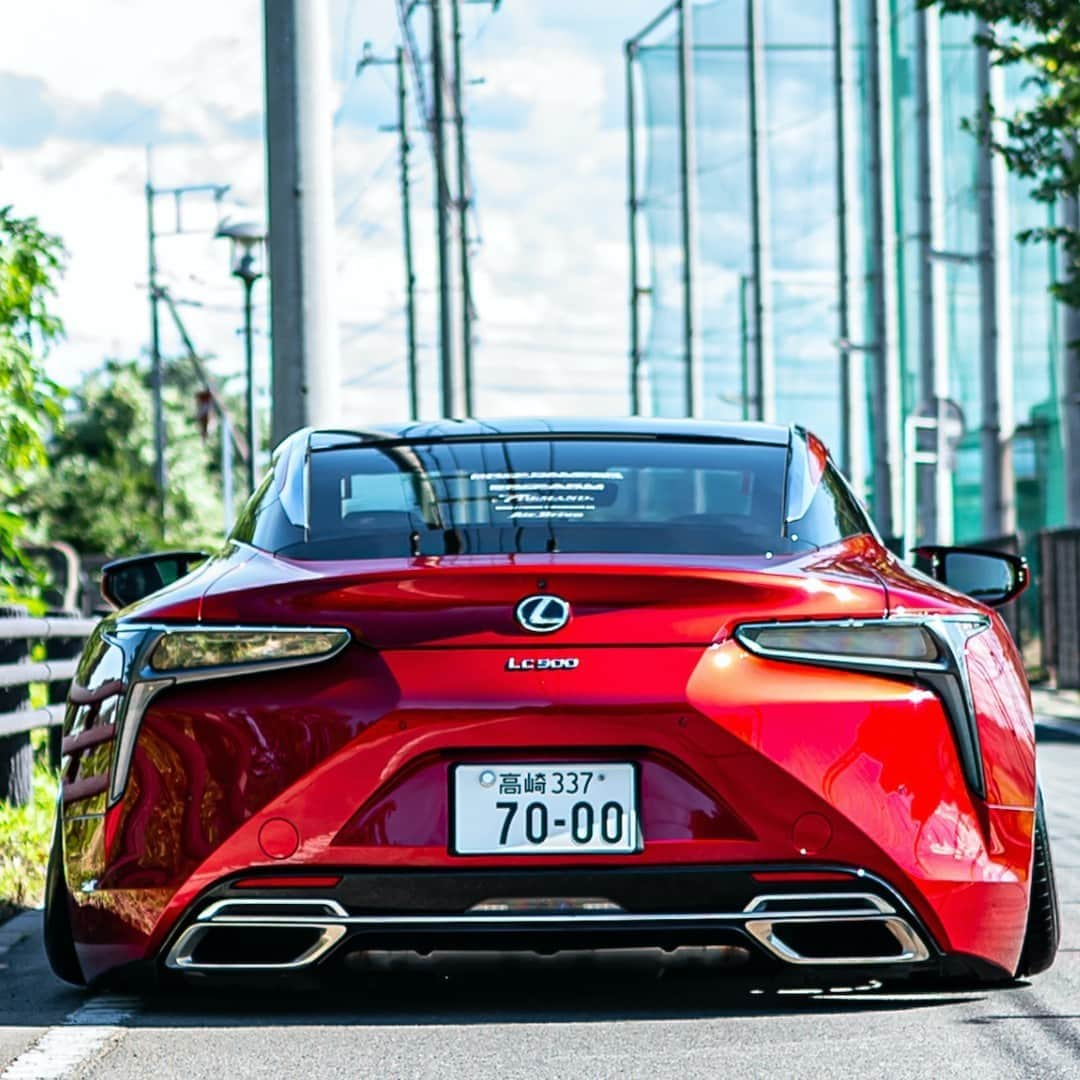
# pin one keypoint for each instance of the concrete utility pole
(1070, 382)
(934, 501)
(693, 390)
(630, 52)
(995, 339)
(886, 427)
(157, 369)
(404, 147)
(161, 479)
(442, 212)
(406, 232)
(760, 220)
(464, 202)
(305, 347)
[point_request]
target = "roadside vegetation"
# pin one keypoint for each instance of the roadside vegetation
(25, 832)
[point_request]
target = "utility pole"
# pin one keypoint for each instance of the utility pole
(995, 338)
(934, 501)
(161, 479)
(157, 368)
(692, 382)
(463, 205)
(304, 327)
(760, 222)
(406, 231)
(1070, 382)
(404, 147)
(442, 210)
(632, 209)
(851, 361)
(886, 428)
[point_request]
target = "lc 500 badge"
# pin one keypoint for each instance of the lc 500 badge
(542, 663)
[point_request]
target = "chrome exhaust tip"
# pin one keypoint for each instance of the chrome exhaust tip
(258, 935)
(840, 940)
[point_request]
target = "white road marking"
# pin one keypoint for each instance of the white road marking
(83, 1034)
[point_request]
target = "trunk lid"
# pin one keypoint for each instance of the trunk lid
(470, 601)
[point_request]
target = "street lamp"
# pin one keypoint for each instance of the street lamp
(248, 251)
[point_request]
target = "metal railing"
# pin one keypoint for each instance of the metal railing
(51, 670)
(1059, 555)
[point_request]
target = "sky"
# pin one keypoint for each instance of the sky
(87, 87)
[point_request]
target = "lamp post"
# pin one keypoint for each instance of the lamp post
(248, 243)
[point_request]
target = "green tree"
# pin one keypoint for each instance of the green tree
(30, 262)
(1039, 139)
(100, 494)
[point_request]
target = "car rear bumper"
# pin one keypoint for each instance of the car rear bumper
(777, 917)
(742, 763)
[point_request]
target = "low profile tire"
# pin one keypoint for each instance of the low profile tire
(59, 943)
(1043, 932)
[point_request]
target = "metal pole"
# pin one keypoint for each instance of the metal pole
(851, 362)
(463, 204)
(156, 373)
(249, 367)
(632, 208)
(687, 177)
(204, 376)
(886, 433)
(304, 326)
(760, 223)
(995, 344)
(406, 231)
(744, 348)
(934, 501)
(442, 193)
(1070, 380)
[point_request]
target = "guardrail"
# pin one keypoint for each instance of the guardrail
(63, 637)
(1059, 551)
(51, 671)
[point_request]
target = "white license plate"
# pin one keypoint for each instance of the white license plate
(545, 809)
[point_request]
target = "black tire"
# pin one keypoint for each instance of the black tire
(1043, 932)
(59, 942)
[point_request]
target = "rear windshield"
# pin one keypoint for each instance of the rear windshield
(497, 496)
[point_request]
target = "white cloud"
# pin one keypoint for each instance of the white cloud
(550, 278)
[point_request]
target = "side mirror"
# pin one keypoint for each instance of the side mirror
(991, 577)
(123, 581)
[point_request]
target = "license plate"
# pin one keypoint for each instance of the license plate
(545, 809)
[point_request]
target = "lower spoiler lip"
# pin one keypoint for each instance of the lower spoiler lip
(810, 929)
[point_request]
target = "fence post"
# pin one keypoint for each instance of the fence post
(60, 648)
(16, 754)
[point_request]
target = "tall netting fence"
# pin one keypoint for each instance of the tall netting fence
(798, 145)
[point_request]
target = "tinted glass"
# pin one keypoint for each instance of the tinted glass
(832, 514)
(536, 495)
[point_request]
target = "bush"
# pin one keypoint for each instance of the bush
(25, 834)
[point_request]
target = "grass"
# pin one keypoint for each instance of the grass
(25, 834)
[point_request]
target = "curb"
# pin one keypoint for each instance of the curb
(25, 925)
(1061, 705)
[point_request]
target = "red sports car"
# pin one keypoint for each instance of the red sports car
(554, 685)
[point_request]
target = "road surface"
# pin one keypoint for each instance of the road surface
(546, 1020)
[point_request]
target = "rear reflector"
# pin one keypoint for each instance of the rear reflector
(801, 875)
(283, 882)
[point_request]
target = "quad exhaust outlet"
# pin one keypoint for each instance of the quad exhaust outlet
(837, 929)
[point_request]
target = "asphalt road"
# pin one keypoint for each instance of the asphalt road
(542, 1020)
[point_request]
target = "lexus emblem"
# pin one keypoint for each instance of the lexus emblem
(542, 614)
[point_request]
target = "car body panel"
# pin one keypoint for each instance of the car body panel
(741, 760)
